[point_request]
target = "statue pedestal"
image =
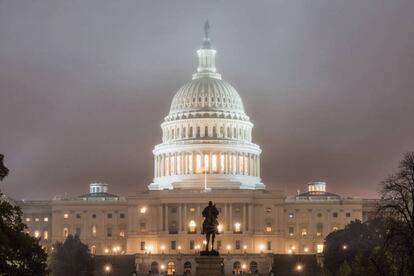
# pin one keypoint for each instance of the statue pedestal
(209, 266)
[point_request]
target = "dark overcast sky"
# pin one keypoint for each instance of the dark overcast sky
(84, 86)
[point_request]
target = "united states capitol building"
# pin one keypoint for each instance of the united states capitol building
(207, 152)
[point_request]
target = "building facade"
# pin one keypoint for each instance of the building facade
(207, 153)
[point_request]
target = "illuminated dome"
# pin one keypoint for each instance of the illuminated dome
(206, 140)
(208, 95)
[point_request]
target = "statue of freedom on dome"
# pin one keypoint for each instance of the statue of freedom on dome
(210, 227)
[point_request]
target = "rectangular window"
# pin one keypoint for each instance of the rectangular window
(269, 245)
(237, 245)
(173, 245)
(46, 219)
(191, 245)
(109, 232)
(319, 248)
(109, 216)
(335, 215)
(348, 215)
(45, 235)
(291, 230)
(142, 227)
(122, 233)
(304, 232)
(93, 216)
(122, 215)
(142, 246)
(78, 216)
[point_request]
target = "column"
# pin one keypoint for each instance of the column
(160, 218)
(250, 216)
(198, 217)
(230, 217)
(180, 221)
(166, 219)
(185, 218)
(244, 220)
(226, 221)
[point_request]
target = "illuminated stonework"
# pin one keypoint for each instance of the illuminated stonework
(207, 134)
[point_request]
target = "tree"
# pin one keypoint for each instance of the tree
(20, 254)
(397, 205)
(71, 257)
(361, 247)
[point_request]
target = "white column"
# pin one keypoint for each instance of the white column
(185, 218)
(166, 219)
(226, 221)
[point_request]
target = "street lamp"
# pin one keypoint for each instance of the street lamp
(344, 247)
(228, 248)
(107, 269)
(299, 267)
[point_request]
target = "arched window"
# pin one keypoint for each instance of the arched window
(236, 268)
(170, 268)
(198, 132)
(154, 267)
(187, 268)
(253, 267)
(190, 134)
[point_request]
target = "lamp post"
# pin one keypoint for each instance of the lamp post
(107, 269)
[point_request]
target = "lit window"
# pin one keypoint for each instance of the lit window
(93, 249)
(143, 210)
(206, 163)
(304, 232)
(291, 215)
(198, 163)
(27, 219)
(37, 219)
(192, 209)
(45, 235)
(122, 233)
(93, 231)
(268, 229)
(192, 226)
(46, 219)
(65, 232)
(36, 234)
(319, 248)
(237, 227)
(335, 228)
(65, 216)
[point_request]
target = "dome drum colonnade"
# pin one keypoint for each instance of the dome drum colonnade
(206, 132)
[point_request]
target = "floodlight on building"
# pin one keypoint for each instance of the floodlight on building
(344, 247)
(143, 210)
(106, 250)
(306, 249)
(205, 242)
(244, 266)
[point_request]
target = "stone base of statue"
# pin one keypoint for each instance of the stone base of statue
(209, 265)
